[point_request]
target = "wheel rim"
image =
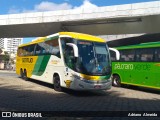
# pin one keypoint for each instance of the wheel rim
(57, 82)
(116, 81)
(25, 75)
(22, 74)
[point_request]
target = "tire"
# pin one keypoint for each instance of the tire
(116, 81)
(21, 74)
(57, 86)
(25, 75)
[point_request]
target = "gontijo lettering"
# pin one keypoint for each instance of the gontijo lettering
(27, 60)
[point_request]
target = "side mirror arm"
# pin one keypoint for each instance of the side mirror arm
(117, 53)
(75, 48)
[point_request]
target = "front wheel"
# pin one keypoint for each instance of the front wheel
(116, 81)
(57, 86)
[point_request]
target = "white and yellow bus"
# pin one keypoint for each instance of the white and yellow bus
(66, 59)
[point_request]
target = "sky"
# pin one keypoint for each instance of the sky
(25, 6)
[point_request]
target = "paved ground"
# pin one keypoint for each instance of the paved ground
(17, 94)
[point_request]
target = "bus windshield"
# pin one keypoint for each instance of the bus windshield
(93, 57)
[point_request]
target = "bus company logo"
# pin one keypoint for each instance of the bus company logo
(27, 60)
(145, 67)
(123, 66)
(55, 61)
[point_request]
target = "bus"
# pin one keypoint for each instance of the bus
(139, 65)
(67, 59)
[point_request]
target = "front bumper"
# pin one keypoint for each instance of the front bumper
(78, 84)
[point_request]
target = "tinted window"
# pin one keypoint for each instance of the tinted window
(127, 55)
(157, 54)
(38, 50)
(144, 55)
(30, 50)
(25, 51)
(113, 55)
(19, 52)
(44, 48)
(52, 47)
(68, 52)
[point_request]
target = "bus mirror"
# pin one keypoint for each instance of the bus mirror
(117, 53)
(75, 48)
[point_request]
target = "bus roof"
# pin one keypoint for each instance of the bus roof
(83, 36)
(41, 39)
(75, 35)
(141, 45)
(135, 40)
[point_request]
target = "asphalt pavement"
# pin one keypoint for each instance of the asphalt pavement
(19, 95)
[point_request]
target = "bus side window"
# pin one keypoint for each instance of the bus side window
(38, 49)
(19, 52)
(25, 51)
(157, 55)
(145, 55)
(112, 55)
(43, 51)
(44, 48)
(22, 53)
(127, 55)
(53, 47)
(31, 50)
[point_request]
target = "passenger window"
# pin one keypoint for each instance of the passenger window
(144, 55)
(38, 49)
(127, 55)
(19, 52)
(112, 55)
(45, 48)
(157, 55)
(25, 51)
(31, 50)
(50, 47)
(53, 47)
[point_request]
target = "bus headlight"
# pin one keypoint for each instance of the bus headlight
(76, 77)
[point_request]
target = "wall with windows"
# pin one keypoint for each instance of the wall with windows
(10, 44)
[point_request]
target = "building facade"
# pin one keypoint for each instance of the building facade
(10, 45)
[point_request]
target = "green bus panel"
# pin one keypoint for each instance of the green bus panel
(146, 74)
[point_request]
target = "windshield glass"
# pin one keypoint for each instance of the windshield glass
(93, 57)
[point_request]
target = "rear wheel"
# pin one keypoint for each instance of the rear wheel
(21, 74)
(116, 81)
(57, 85)
(25, 75)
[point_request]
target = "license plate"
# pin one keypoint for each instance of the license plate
(97, 86)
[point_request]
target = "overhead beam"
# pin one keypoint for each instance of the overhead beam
(119, 19)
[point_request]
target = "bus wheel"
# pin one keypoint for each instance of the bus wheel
(25, 75)
(57, 86)
(116, 81)
(21, 74)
